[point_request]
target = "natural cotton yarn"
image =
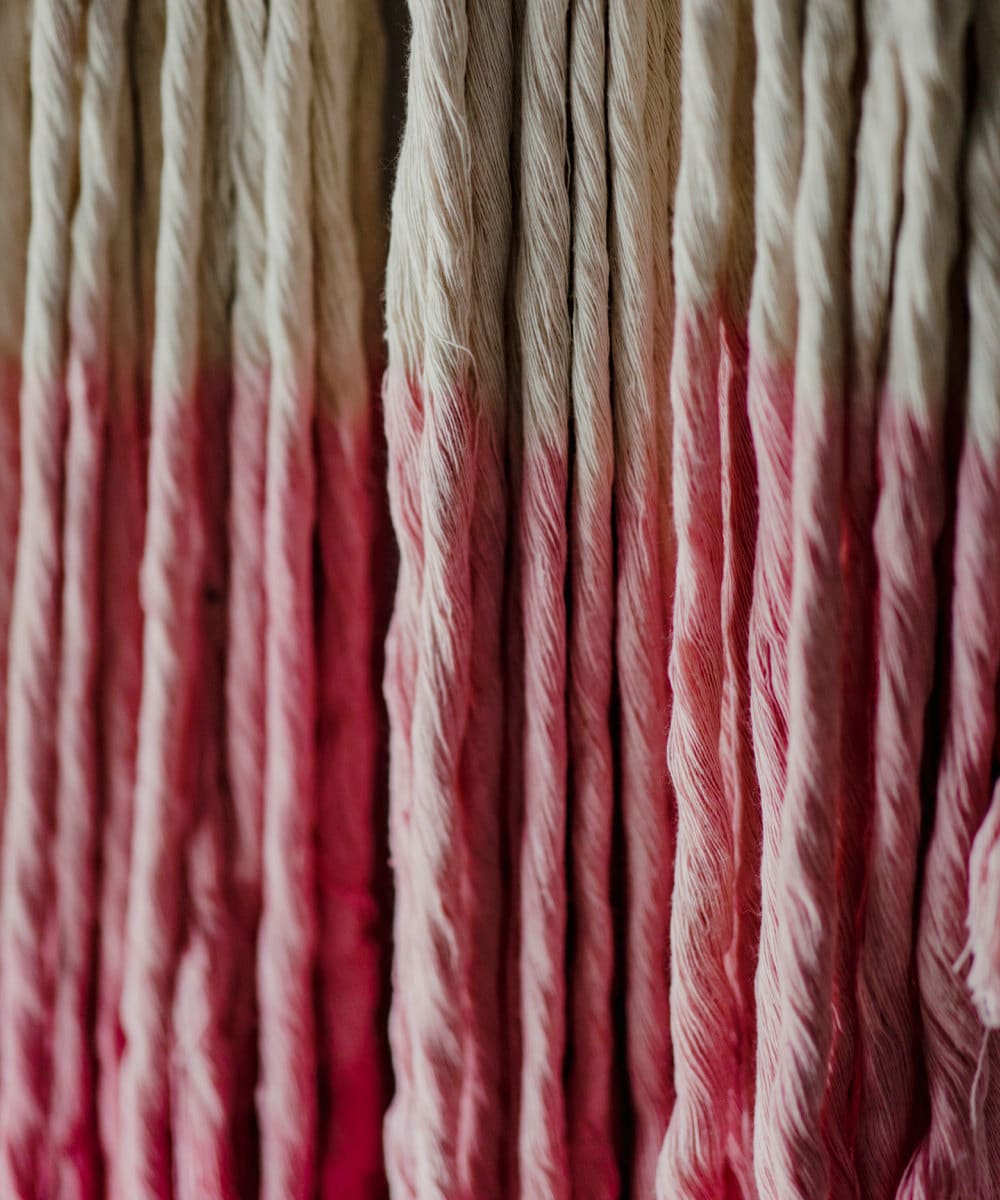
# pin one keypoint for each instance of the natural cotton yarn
(806, 891)
(954, 1155)
(348, 950)
(123, 510)
(287, 940)
(983, 171)
(244, 679)
(772, 327)
(14, 222)
(171, 575)
(488, 91)
(541, 280)
(693, 1160)
(873, 234)
(590, 666)
(26, 915)
(640, 650)
(907, 523)
(201, 1053)
(72, 1114)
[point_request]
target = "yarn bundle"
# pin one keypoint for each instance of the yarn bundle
(692, 344)
(499, 689)
(189, 935)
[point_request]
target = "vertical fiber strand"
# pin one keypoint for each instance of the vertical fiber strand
(287, 941)
(72, 1128)
(806, 886)
(15, 211)
(954, 1155)
(488, 99)
(122, 527)
(348, 951)
(773, 321)
(873, 235)
(170, 582)
(244, 679)
(446, 477)
(404, 419)
(640, 643)
(908, 520)
(703, 1015)
(25, 913)
(201, 1050)
(594, 1172)
(540, 290)
(738, 494)
(983, 174)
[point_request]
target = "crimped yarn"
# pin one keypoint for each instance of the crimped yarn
(72, 1119)
(954, 1155)
(15, 123)
(122, 525)
(201, 1083)
(908, 520)
(25, 902)
(773, 320)
(540, 287)
(171, 575)
(244, 678)
(983, 173)
(639, 642)
(488, 100)
(799, 1154)
(286, 947)
(873, 235)
(593, 1168)
(703, 1017)
(348, 950)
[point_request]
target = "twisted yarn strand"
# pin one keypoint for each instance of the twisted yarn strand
(488, 100)
(593, 1169)
(954, 1157)
(806, 884)
(778, 120)
(703, 1017)
(171, 576)
(286, 948)
(543, 332)
(873, 234)
(640, 648)
(25, 907)
(72, 1118)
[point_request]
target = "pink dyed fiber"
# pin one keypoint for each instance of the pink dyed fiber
(686, 878)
